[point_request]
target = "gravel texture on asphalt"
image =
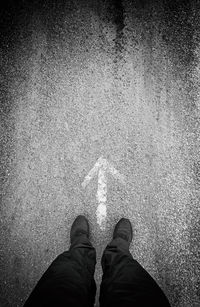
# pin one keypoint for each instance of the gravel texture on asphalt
(87, 79)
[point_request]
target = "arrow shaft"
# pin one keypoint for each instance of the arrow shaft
(102, 197)
(102, 186)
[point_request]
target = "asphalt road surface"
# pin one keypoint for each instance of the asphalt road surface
(112, 80)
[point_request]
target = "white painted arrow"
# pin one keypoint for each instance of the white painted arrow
(101, 167)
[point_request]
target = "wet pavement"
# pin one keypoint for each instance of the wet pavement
(115, 80)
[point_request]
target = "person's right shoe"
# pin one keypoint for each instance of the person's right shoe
(123, 229)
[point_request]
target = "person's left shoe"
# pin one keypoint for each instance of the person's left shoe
(80, 227)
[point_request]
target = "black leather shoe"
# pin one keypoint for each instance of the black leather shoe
(80, 227)
(123, 229)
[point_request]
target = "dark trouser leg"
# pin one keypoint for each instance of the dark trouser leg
(125, 283)
(69, 281)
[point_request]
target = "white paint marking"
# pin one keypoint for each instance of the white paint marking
(116, 174)
(101, 215)
(102, 186)
(66, 126)
(101, 167)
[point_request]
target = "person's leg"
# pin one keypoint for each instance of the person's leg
(69, 281)
(125, 283)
